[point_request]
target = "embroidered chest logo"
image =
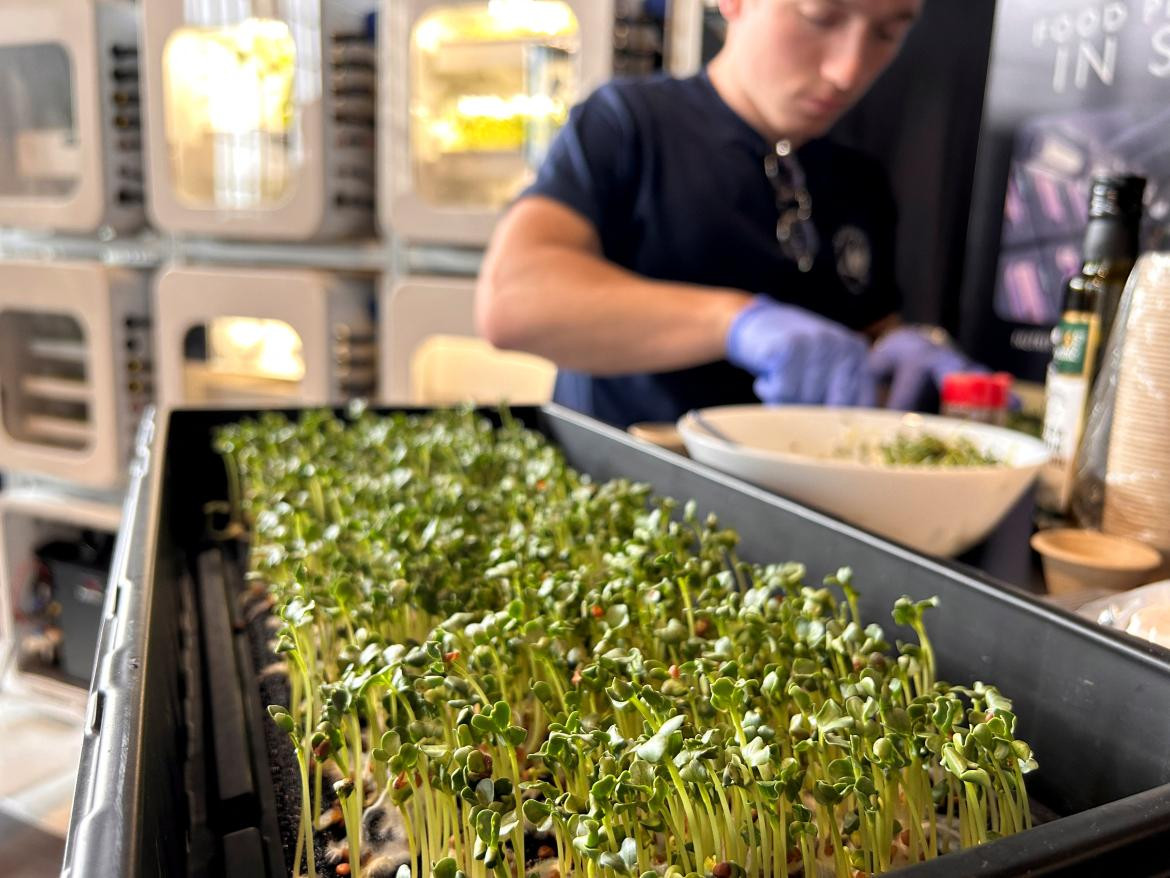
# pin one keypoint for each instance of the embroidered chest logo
(854, 258)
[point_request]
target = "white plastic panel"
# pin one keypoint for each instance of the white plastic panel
(472, 93)
(430, 354)
(70, 147)
(40, 152)
(684, 36)
(260, 117)
(75, 369)
(250, 337)
(28, 520)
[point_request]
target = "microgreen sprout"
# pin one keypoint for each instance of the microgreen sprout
(500, 647)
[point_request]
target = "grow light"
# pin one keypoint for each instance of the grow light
(260, 118)
(259, 347)
(478, 91)
(229, 112)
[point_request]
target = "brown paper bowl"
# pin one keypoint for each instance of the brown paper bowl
(1079, 560)
(664, 435)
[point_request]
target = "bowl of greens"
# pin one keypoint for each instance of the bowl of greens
(939, 485)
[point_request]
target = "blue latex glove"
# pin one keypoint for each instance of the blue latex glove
(798, 356)
(911, 358)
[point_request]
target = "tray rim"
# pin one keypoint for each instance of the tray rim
(101, 838)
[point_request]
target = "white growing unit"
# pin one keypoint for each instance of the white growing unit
(472, 93)
(28, 519)
(430, 353)
(684, 37)
(254, 337)
(70, 139)
(260, 117)
(75, 369)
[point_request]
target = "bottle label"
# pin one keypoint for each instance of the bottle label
(1071, 350)
(1067, 395)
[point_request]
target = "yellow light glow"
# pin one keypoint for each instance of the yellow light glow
(445, 133)
(430, 34)
(255, 347)
(229, 112)
(490, 85)
(232, 80)
(539, 106)
(497, 20)
(532, 16)
(493, 122)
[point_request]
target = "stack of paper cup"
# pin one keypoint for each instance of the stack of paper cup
(1137, 477)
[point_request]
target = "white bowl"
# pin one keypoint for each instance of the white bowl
(937, 510)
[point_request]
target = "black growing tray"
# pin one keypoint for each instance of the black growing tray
(175, 780)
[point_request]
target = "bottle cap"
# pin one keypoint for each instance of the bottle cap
(977, 390)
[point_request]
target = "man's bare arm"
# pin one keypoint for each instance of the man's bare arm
(545, 288)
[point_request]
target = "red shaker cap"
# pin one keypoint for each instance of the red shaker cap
(977, 389)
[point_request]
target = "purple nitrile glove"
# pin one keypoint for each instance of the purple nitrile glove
(911, 357)
(798, 356)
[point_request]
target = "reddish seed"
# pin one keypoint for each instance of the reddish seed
(343, 869)
(544, 852)
(722, 870)
(702, 626)
(452, 656)
(858, 664)
(905, 837)
(541, 485)
(553, 873)
(322, 749)
(577, 677)
(857, 873)
(597, 611)
(674, 671)
(400, 781)
(488, 764)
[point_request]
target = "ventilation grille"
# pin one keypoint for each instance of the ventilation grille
(354, 76)
(355, 358)
(126, 113)
(139, 370)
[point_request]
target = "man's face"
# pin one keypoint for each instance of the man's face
(802, 63)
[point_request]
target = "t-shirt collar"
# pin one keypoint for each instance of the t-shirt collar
(739, 130)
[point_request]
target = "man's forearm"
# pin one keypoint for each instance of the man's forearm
(587, 314)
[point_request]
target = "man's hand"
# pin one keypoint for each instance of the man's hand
(912, 358)
(798, 356)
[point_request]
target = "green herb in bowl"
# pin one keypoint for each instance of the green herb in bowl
(924, 449)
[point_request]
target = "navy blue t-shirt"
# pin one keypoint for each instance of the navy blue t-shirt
(674, 182)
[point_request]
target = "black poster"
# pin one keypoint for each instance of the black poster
(1074, 88)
